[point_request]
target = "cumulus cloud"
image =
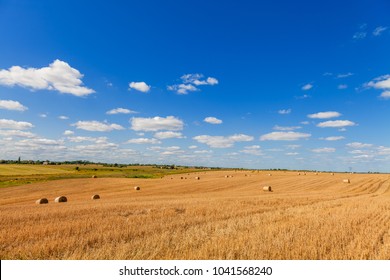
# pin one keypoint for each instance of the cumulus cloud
(97, 140)
(222, 141)
(307, 87)
(324, 115)
(252, 150)
(385, 95)
(285, 128)
(284, 136)
(190, 83)
(12, 105)
(140, 86)
(17, 133)
(358, 145)
(379, 30)
(143, 141)
(63, 117)
(156, 124)
(203, 152)
(97, 126)
(338, 123)
(284, 111)
(68, 132)
(57, 76)
(333, 138)
(324, 150)
(168, 134)
(120, 111)
(11, 124)
(381, 83)
(212, 120)
(383, 150)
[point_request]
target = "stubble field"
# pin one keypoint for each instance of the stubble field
(312, 216)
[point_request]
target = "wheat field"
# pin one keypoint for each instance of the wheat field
(224, 215)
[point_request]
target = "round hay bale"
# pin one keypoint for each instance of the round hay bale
(61, 199)
(267, 189)
(95, 196)
(346, 181)
(332, 174)
(42, 201)
(94, 176)
(269, 174)
(137, 188)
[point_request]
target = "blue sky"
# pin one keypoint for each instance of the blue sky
(254, 84)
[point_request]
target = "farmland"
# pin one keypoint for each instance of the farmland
(223, 215)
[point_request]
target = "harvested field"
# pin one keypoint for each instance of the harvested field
(304, 217)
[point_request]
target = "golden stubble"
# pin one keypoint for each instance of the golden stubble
(304, 217)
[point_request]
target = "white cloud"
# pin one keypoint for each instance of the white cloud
(356, 152)
(196, 80)
(343, 86)
(203, 152)
(358, 145)
(17, 133)
(324, 150)
(359, 35)
(345, 75)
(363, 156)
(143, 141)
(97, 126)
(292, 154)
(379, 30)
(156, 124)
(192, 147)
(284, 111)
(140, 86)
(305, 96)
(381, 83)
(12, 105)
(78, 139)
(324, 115)
(252, 150)
(385, 95)
(168, 134)
(43, 115)
(57, 76)
(11, 124)
(68, 132)
(307, 87)
(182, 88)
(383, 150)
(338, 123)
(293, 147)
(285, 128)
(120, 111)
(190, 82)
(284, 136)
(222, 141)
(212, 120)
(63, 118)
(334, 138)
